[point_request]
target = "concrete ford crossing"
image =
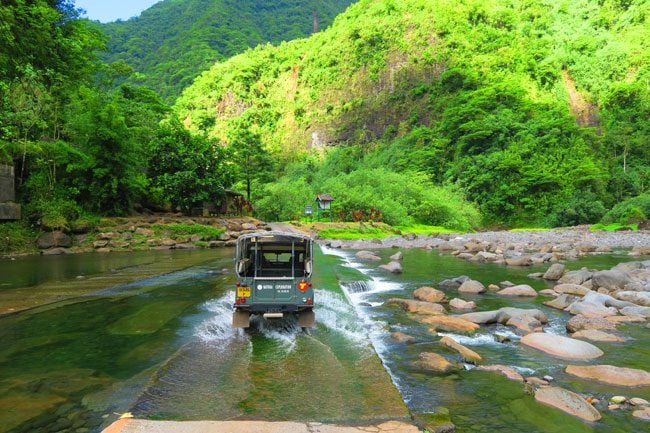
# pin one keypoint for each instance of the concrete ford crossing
(274, 277)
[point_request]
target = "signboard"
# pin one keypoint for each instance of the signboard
(308, 210)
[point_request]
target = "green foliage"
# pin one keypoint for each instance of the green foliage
(522, 105)
(188, 170)
(169, 44)
(352, 233)
(582, 208)
(176, 230)
(633, 210)
(16, 237)
(285, 200)
(613, 227)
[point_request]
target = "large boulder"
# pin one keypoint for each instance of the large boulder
(576, 277)
(642, 414)
(417, 307)
(54, 239)
(429, 294)
(638, 298)
(597, 335)
(394, 267)
(505, 370)
(580, 322)
(449, 324)
(555, 272)
(526, 320)
(397, 257)
(467, 354)
(611, 375)
(568, 402)
(459, 304)
(519, 290)
(401, 337)
(562, 301)
(636, 311)
(561, 347)
(611, 280)
(571, 289)
(452, 283)
(595, 304)
(472, 286)
(367, 255)
(433, 362)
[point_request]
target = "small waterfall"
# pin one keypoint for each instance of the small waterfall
(357, 287)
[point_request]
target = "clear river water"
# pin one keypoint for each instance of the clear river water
(85, 338)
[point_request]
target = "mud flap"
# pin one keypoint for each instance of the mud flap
(306, 319)
(241, 319)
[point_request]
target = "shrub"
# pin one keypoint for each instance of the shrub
(583, 208)
(633, 210)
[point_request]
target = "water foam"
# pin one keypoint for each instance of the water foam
(218, 327)
(473, 340)
(335, 313)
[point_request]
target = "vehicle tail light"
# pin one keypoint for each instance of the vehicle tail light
(309, 301)
(303, 286)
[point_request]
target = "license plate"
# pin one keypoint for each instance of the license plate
(243, 292)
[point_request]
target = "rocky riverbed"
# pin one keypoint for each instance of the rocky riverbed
(600, 303)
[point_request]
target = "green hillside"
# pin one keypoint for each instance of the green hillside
(537, 111)
(174, 40)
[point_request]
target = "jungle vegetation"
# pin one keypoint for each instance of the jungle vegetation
(462, 114)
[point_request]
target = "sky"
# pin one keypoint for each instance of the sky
(111, 10)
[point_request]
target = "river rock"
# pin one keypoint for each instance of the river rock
(397, 257)
(429, 294)
(643, 414)
(449, 324)
(100, 244)
(417, 307)
(141, 231)
(568, 402)
(367, 255)
(536, 381)
(636, 311)
(248, 226)
(636, 401)
(580, 322)
(555, 272)
(505, 370)
(107, 236)
(638, 298)
(54, 239)
(394, 267)
(434, 362)
(56, 252)
(401, 337)
(576, 277)
(506, 283)
(595, 304)
(459, 304)
(597, 335)
(571, 289)
(519, 261)
(519, 290)
(467, 354)
(452, 283)
(612, 279)
(527, 320)
(625, 319)
(562, 301)
(118, 244)
(472, 286)
(336, 244)
(610, 374)
(561, 347)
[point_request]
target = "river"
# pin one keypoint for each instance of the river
(86, 338)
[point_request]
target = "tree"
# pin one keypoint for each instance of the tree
(187, 169)
(253, 162)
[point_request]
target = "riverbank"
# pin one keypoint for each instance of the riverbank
(137, 233)
(563, 243)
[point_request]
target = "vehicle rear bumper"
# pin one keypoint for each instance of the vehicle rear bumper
(273, 308)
